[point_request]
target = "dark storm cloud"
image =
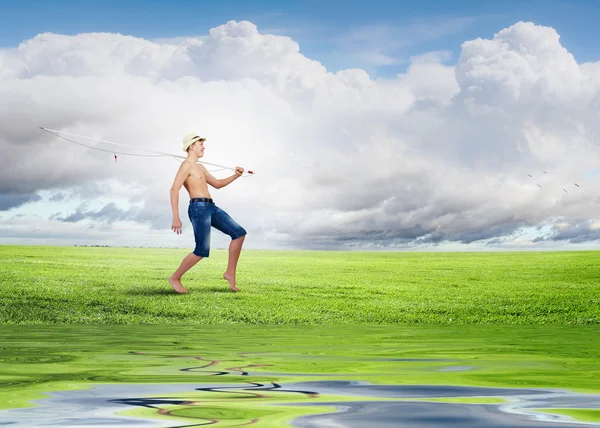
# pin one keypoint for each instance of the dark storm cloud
(13, 200)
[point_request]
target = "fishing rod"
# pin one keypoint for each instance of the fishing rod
(151, 153)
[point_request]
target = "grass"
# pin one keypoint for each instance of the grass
(83, 285)
(527, 319)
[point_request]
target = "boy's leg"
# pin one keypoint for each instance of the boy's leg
(235, 248)
(200, 214)
(187, 263)
(223, 222)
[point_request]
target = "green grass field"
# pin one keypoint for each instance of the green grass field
(41, 285)
(454, 306)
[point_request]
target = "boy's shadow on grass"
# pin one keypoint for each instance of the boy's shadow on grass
(150, 292)
(169, 291)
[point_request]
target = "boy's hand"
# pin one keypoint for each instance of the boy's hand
(176, 226)
(239, 170)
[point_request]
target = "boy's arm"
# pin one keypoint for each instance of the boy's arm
(218, 183)
(182, 174)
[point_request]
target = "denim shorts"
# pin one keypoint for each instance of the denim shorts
(204, 214)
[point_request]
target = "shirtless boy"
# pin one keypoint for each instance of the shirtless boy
(203, 212)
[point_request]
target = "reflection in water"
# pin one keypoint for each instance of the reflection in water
(354, 403)
(425, 415)
(98, 406)
(305, 376)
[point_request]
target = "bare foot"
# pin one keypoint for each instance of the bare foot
(177, 285)
(231, 280)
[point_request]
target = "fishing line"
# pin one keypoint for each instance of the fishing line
(151, 153)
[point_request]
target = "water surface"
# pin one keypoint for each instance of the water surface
(313, 376)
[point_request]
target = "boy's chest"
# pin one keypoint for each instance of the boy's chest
(198, 174)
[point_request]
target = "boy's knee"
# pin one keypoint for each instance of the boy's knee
(240, 236)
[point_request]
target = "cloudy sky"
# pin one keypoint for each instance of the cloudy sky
(430, 127)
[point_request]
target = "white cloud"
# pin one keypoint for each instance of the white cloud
(438, 154)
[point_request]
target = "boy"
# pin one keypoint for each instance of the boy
(203, 212)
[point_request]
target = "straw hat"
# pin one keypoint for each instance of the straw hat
(190, 139)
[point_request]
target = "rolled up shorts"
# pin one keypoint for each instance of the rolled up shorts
(204, 214)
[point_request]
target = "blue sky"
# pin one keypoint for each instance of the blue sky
(379, 36)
